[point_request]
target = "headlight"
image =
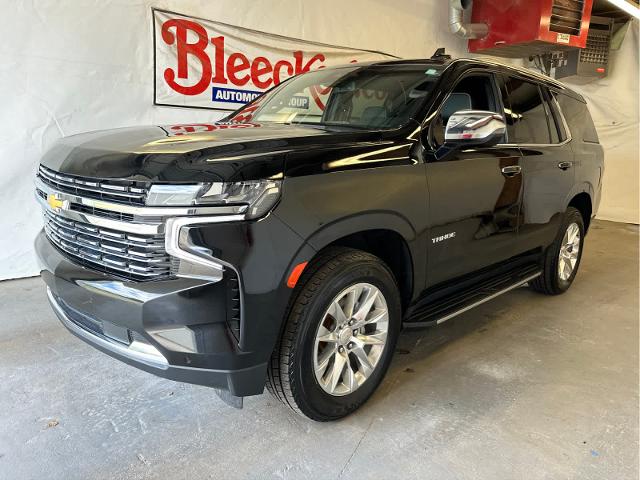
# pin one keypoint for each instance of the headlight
(260, 196)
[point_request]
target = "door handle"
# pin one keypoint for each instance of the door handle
(511, 170)
(565, 165)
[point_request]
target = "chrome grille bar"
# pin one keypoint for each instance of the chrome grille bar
(137, 257)
(113, 190)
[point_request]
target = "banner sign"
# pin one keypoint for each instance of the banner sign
(204, 64)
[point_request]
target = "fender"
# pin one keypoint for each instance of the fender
(359, 222)
(377, 220)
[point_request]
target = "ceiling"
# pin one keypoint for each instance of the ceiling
(606, 9)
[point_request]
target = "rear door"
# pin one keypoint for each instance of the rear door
(474, 194)
(535, 124)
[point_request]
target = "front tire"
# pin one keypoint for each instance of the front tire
(562, 259)
(339, 336)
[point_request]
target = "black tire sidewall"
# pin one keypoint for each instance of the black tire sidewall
(312, 399)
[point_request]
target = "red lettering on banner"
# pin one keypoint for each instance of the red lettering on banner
(218, 43)
(223, 67)
(257, 71)
(298, 55)
(185, 49)
(278, 67)
(234, 67)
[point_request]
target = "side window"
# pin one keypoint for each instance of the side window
(578, 117)
(556, 125)
(527, 115)
(473, 92)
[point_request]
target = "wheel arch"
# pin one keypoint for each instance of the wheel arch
(388, 236)
(583, 203)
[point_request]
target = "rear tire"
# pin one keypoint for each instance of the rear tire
(561, 260)
(327, 364)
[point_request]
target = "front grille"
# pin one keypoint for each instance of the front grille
(566, 16)
(98, 212)
(101, 212)
(132, 256)
(90, 324)
(119, 191)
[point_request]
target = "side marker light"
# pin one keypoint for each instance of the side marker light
(295, 274)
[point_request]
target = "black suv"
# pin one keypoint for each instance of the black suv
(288, 245)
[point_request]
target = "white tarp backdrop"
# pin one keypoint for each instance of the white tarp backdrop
(69, 67)
(613, 102)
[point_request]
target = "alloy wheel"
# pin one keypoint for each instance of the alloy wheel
(569, 252)
(350, 339)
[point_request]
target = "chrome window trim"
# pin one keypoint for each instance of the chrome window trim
(533, 145)
(139, 211)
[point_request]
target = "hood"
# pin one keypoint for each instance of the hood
(197, 152)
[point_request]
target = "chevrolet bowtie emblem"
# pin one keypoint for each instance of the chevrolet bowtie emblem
(55, 203)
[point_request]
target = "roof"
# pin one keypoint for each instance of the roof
(472, 61)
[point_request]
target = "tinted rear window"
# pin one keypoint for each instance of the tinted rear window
(579, 119)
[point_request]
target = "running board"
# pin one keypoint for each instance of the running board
(463, 301)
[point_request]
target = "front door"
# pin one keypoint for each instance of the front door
(474, 195)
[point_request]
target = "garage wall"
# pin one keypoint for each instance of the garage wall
(76, 66)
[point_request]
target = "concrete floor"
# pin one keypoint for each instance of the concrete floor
(525, 387)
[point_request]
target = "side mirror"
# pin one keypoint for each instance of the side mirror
(474, 128)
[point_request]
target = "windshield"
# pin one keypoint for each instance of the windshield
(356, 97)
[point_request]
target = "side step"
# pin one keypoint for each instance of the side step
(463, 300)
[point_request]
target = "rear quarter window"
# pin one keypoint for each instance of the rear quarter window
(579, 119)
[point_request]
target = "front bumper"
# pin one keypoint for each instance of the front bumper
(176, 328)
